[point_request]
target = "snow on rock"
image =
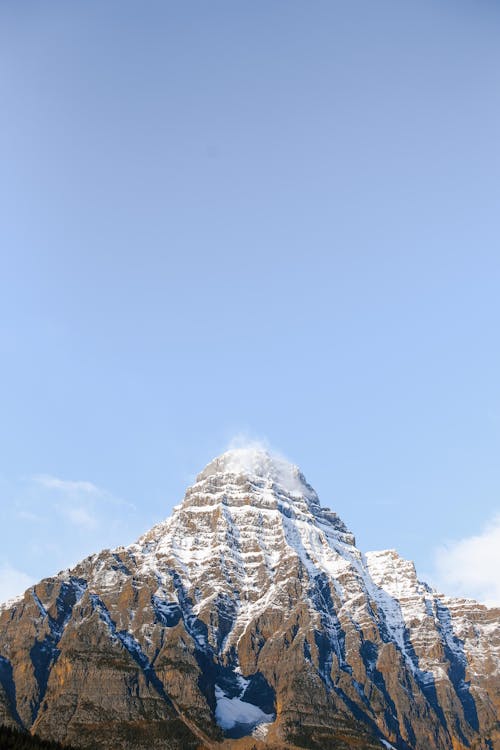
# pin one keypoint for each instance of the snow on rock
(247, 521)
(257, 462)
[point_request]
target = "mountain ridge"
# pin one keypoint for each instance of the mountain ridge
(249, 616)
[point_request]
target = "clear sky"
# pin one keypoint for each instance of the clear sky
(271, 218)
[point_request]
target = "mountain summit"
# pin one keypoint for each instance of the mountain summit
(249, 618)
(258, 463)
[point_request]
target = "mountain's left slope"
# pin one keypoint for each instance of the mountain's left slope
(249, 618)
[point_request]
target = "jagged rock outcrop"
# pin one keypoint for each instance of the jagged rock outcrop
(249, 618)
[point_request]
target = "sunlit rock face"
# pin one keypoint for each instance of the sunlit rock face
(249, 618)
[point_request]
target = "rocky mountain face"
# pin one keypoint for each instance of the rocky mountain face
(249, 619)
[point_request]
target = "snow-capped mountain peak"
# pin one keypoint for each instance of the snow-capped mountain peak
(259, 464)
(251, 611)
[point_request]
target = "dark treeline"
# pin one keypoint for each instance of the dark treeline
(13, 739)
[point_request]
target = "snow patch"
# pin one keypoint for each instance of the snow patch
(231, 712)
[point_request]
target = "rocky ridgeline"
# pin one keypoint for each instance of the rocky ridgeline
(250, 619)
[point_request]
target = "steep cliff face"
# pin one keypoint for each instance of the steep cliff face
(250, 618)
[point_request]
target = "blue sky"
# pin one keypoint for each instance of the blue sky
(277, 219)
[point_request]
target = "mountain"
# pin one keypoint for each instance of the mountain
(249, 619)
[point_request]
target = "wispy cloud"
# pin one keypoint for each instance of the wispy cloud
(80, 516)
(79, 502)
(12, 582)
(69, 486)
(51, 522)
(80, 488)
(470, 566)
